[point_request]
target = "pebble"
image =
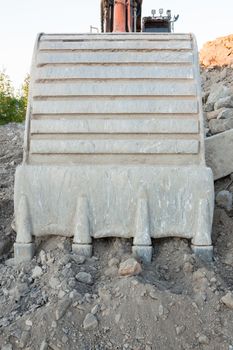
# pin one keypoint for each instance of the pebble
(224, 199)
(153, 295)
(7, 347)
(78, 259)
(130, 267)
(161, 310)
(42, 257)
(61, 294)
(64, 339)
(84, 277)
(180, 329)
(37, 272)
(44, 345)
(117, 318)
(54, 283)
(95, 309)
(228, 300)
(62, 307)
(28, 323)
(54, 324)
(203, 339)
(90, 322)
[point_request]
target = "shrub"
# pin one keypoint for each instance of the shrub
(12, 105)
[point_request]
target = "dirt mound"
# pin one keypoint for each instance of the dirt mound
(218, 52)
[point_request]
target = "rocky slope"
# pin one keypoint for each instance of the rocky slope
(217, 98)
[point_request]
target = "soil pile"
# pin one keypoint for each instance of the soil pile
(218, 52)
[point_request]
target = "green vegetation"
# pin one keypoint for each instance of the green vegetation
(12, 105)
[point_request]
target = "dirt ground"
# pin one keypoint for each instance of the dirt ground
(62, 301)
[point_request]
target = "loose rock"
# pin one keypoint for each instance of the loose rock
(214, 114)
(44, 345)
(226, 102)
(63, 305)
(84, 277)
(220, 125)
(224, 199)
(228, 300)
(54, 283)
(37, 272)
(130, 267)
(217, 92)
(203, 339)
(90, 322)
(225, 113)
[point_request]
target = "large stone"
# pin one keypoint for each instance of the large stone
(226, 102)
(213, 114)
(130, 267)
(209, 107)
(225, 113)
(84, 277)
(219, 155)
(217, 91)
(220, 125)
(224, 199)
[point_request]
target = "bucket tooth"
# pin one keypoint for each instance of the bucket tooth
(24, 247)
(142, 248)
(82, 242)
(201, 242)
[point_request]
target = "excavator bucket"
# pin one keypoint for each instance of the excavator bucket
(114, 143)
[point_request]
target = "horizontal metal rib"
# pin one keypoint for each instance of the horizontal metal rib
(116, 105)
(114, 146)
(114, 37)
(114, 57)
(112, 126)
(114, 88)
(122, 71)
(118, 45)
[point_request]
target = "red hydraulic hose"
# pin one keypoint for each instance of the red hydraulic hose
(119, 21)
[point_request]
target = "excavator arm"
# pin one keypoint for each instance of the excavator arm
(121, 15)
